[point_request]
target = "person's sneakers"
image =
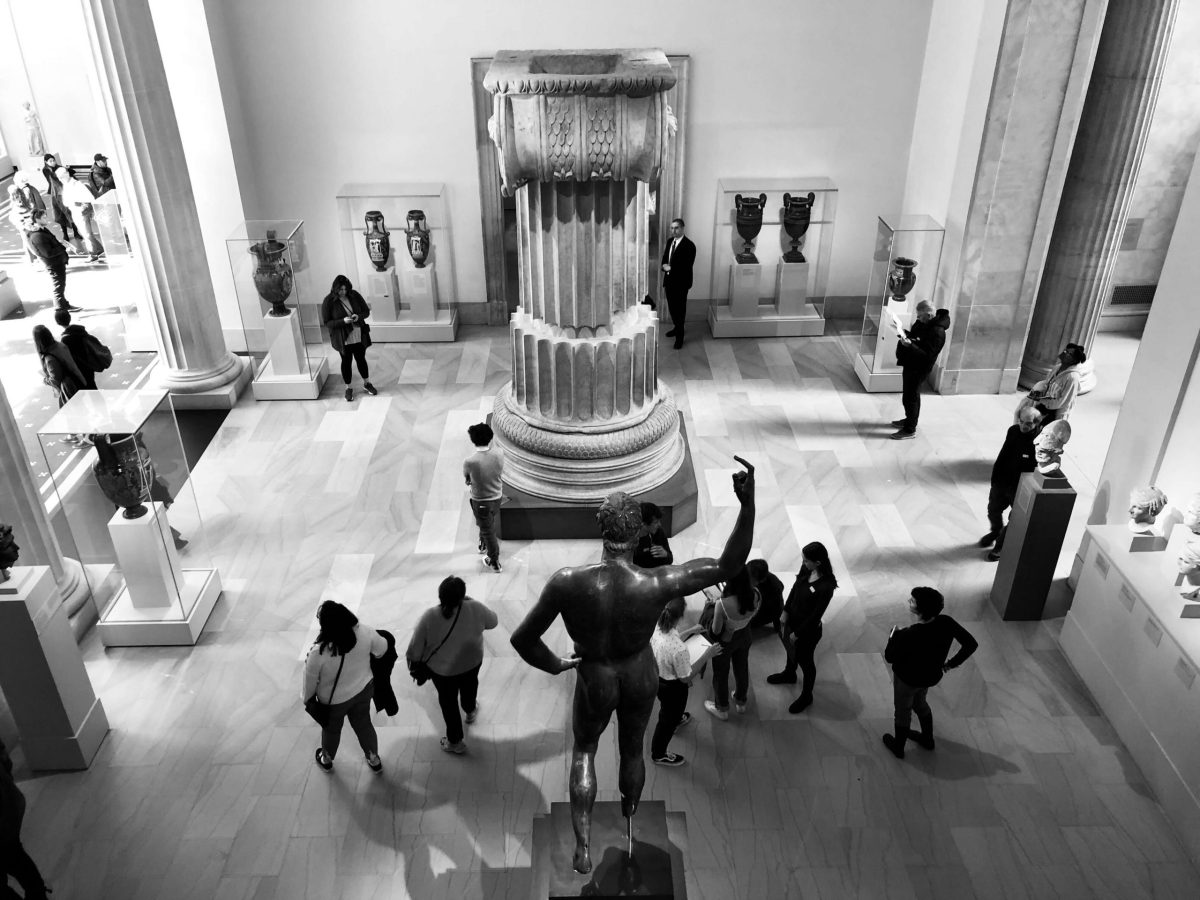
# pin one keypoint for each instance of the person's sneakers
(323, 760)
(369, 388)
(473, 715)
(349, 393)
(713, 710)
(899, 423)
(671, 759)
(988, 539)
(457, 749)
(895, 745)
(493, 564)
(785, 677)
(923, 740)
(374, 762)
(800, 704)
(903, 435)
(993, 556)
(739, 708)
(684, 719)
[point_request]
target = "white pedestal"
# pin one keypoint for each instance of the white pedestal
(60, 719)
(10, 300)
(418, 294)
(148, 558)
(285, 373)
(108, 223)
(382, 295)
(883, 375)
(791, 289)
(743, 290)
(124, 625)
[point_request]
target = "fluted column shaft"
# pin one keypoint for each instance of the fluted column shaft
(153, 177)
(1104, 166)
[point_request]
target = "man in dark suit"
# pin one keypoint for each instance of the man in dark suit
(677, 278)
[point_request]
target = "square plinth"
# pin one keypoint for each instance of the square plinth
(526, 517)
(654, 872)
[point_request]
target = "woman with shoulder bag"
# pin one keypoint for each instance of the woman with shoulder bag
(806, 604)
(675, 674)
(59, 372)
(447, 648)
(345, 312)
(338, 677)
(732, 616)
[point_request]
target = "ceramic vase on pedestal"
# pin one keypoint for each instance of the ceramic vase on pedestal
(748, 218)
(9, 551)
(797, 213)
(273, 274)
(379, 243)
(418, 237)
(124, 471)
(901, 278)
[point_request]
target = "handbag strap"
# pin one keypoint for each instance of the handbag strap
(447, 637)
(317, 692)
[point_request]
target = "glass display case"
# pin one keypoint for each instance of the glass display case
(280, 309)
(770, 264)
(132, 515)
(904, 271)
(397, 249)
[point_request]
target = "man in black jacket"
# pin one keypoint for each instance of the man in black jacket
(1014, 459)
(916, 353)
(14, 860)
(677, 262)
(100, 179)
(75, 339)
(918, 654)
(653, 549)
(53, 255)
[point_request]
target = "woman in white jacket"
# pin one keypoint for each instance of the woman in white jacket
(78, 198)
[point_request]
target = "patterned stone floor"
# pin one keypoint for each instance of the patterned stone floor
(206, 787)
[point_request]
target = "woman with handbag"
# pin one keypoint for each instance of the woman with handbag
(59, 372)
(345, 312)
(338, 683)
(801, 632)
(732, 615)
(447, 647)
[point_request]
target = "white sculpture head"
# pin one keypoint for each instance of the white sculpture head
(1189, 562)
(1145, 504)
(1048, 447)
(1191, 515)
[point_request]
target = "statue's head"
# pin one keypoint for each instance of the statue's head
(1191, 515)
(1145, 503)
(620, 519)
(1189, 560)
(8, 547)
(1048, 446)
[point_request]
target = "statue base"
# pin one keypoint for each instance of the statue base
(527, 517)
(654, 872)
(1037, 527)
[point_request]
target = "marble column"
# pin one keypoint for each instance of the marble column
(153, 180)
(580, 135)
(1038, 90)
(1100, 180)
(21, 506)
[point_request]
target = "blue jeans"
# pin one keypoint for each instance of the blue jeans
(487, 517)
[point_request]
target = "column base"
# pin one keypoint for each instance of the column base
(215, 392)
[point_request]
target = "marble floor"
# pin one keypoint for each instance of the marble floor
(206, 787)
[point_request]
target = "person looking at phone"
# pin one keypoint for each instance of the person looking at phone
(345, 313)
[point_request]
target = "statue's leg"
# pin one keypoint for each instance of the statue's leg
(595, 697)
(639, 685)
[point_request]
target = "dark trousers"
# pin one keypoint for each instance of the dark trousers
(909, 699)
(672, 701)
(16, 862)
(487, 517)
(1000, 498)
(358, 711)
(911, 381)
(62, 217)
(677, 307)
(735, 655)
(357, 352)
(804, 652)
(451, 690)
(58, 280)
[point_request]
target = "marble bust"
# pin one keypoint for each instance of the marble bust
(1189, 568)
(8, 551)
(1145, 504)
(1048, 448)
(1191, 515)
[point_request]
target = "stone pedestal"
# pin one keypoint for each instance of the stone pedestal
(10, 300)
(791, 289)
(60, 719)
(654, 872)
(147, 556)
(285, 373)
(382, 295)
(285, 345)
(418, 294)
(744, 280)
(1036, 528)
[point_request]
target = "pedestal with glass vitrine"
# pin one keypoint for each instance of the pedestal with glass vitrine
(280, 310)
(133, 516)
(904, 271)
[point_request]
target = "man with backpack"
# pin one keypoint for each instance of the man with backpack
(88, 351)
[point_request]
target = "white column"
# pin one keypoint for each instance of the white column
(153, 178)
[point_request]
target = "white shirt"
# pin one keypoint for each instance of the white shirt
(670, 655)
(671, 254)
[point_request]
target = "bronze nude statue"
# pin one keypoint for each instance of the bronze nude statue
(610, 609)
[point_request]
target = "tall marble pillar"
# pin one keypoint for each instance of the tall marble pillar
(1100, 180)
(579, 136)
(21, 507)
(194, 363)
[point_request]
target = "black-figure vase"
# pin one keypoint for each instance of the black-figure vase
(901, 278)
(418, 237)
(273, 275)
(124, 471)
(379, 242)
(797, 214)
(749, 218)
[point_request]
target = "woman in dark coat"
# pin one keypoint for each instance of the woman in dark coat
(59, 371)
(801, 620)
(345, 313)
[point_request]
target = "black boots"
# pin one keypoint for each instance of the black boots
(896, 743)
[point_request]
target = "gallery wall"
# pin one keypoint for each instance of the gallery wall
(365, 91)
